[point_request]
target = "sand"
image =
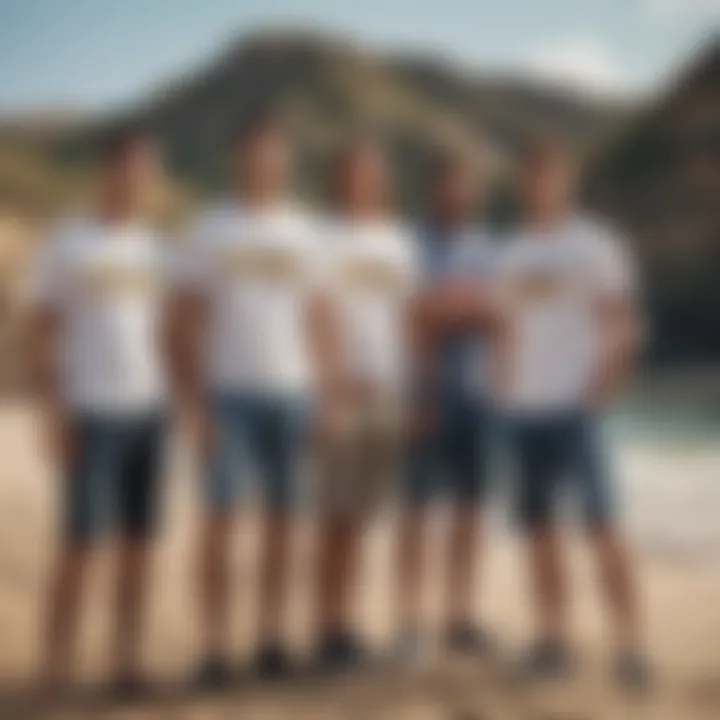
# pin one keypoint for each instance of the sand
(680, 583)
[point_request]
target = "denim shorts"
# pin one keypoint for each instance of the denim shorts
(113, 477)
(454, 460)
(258, 442)
(557, 455)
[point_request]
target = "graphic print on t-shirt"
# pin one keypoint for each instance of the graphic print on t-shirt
(105, 279)
(375, 275)
(255, 267)
(252, 261)
(537, 286)
(554, 282)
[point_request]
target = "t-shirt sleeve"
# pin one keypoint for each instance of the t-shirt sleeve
(46, 281)
(614, 269)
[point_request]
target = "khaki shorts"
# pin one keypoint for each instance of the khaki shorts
(360, 466)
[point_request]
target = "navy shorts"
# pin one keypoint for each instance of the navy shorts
(454, 459)
(113, 478)
(260, 437)
(558, 455)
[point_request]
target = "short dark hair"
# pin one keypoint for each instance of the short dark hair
(257, 122)
(120, 139)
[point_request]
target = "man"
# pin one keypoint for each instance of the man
(96, 296)
(451, 434)
(244, 333)
(569, 339)
(370, 276)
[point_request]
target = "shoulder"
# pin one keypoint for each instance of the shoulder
(607, 252)
(66, 240)
(597, 234)
(399, 231)
(68, 231)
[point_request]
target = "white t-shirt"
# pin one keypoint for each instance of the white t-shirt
(105, 282)
(256, 269)
(372, 271)
(553, 283)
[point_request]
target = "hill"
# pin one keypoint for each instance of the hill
(326, 87)
(661, 181)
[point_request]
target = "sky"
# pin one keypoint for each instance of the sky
(91, 55)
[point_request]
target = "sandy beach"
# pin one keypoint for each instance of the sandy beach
(674, 525)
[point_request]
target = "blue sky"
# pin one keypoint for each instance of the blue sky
(92, 54)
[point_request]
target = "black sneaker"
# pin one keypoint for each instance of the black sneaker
(468, 639)
(632, 670)
(547, 660)
(214, 673)
(273, 662)
(340, 652)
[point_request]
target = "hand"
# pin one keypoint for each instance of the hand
(421, 422)
(201, 428)
(58, 438)
(602, 390)
(329, 420)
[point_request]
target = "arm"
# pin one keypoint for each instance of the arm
(41, 343)
(619, 345)
(44, 290)
(617, 319)
(325, 343)
(422, 340)
(184, 341)
(458, 305)
(185, 325)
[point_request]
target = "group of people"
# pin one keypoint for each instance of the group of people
(349, 352)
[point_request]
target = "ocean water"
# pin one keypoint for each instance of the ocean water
(664, 441)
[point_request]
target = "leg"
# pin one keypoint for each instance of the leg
(226, 468)
(279, 442)
(87, 513)
(467, 446)
(410, 566)
(338, 565)
(276, 546)
(129, 606)
(359, 469)
(618, 584)
(613, 560)
(214, 577)
(63, 612)
(336, 550)
(539, 448)
(465, 531)
(421, 486)
(138, 494)
(549, 584)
